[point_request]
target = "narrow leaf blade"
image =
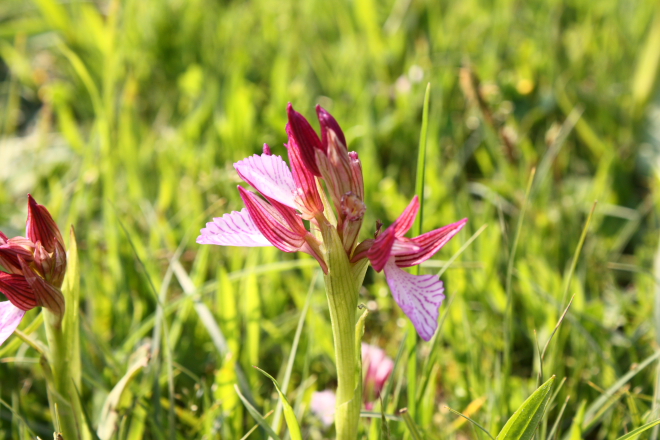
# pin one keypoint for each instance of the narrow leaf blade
(523, 423)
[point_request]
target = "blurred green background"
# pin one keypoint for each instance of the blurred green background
(124, 117)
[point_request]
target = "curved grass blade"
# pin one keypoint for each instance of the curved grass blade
(523, 423)
(593, 413)
(635, 432)
(255, 414)
(289, 415)
(410, 423)
(471, 421)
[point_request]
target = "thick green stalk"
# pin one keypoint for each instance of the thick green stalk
(63, 391)
(341, 284)
(62, 333)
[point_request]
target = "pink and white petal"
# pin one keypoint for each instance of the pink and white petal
(406, 219)
(428, 244)
(404, 246)
(10, 317)
(323, 405)
(269, 175)
(273, 225)
(419, 296)
(234, 229)
(381, 250)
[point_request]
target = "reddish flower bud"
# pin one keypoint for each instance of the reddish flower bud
(329, 123)
(267, 151)
(41, 227)
(47, 295)
(306, 139)
(18, 291)
(34, 267)
(12, 250)
(307, 197)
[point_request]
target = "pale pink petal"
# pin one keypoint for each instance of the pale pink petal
(419, 296)
(269, 175)
(404, 246)
(235, 229)
(377, 365)
(323, 405)
(10, 317)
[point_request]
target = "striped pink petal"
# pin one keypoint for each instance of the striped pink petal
(269, 175)
(428, 244)
(234, 229)
(328, 122)
(283, 229)
(306, 139)
(10, 317)
(381, 250)
(419, 296)
(307, 196)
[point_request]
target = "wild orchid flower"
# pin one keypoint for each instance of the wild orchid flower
(378, 367)
(293, 195)
(34, 268)
(419, 296)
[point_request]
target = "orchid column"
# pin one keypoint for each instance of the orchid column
(293, 197)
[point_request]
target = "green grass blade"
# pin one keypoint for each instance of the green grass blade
(471, 421)
(421, 163)
(554, 428)
(294, 350)
(593, 411)
(576, 255)
(410, 424)
(289, 415)
(255, 414)
(523, 423)
(508, 321)
(635, 432)
(412, 339)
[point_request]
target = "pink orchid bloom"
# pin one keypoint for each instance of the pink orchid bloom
(377, 367)
(292, 195)
(323, 405)
(419, 296)
(34, 269)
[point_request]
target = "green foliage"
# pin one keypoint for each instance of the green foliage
(522, 424)
(123, 117)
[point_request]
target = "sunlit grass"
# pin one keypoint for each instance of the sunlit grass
(124, 118)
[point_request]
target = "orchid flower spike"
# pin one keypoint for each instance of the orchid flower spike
(291, 195)
(33, 269)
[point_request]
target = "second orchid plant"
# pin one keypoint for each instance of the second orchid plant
(294, 213)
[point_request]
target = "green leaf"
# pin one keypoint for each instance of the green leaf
(289, 415)
(523, 423)
(410, 424)
(635, 432)
(255, 414)
(110, 412)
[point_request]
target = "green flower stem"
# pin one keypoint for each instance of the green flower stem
(65, 376)
(342, 284)
(63, 391)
